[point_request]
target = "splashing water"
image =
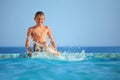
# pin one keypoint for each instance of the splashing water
(65, 56)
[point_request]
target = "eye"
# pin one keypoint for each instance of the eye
(41, 19)
(38, 18)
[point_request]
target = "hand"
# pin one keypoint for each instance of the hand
(29, 52)
(58, 53)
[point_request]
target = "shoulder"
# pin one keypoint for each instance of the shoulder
(47, 27)
(31, 28)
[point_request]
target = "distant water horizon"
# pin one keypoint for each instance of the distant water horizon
(69, 49)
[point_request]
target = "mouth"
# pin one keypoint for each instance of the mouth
(40, 22)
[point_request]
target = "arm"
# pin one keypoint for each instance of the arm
(51, 38)
(27, 44)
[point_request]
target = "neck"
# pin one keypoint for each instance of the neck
(38, 25)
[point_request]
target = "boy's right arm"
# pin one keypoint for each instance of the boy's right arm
(27, 44)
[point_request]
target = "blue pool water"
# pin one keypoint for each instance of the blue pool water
(75, 63)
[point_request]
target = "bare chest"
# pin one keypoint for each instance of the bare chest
(39, 32)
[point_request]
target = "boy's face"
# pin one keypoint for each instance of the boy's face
(39, 19)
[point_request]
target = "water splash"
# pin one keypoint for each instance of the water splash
(65, 56)
(73, 56)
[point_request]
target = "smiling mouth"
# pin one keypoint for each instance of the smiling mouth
(40, 22)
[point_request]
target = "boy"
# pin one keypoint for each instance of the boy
(38, 34)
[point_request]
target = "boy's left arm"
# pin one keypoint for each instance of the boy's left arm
(51, 37)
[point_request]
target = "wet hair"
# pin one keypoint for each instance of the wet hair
(39, 13)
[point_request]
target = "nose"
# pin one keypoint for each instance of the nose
(39, 19)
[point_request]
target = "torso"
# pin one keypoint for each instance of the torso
(39, 34)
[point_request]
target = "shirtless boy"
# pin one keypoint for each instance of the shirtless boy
(38, 34)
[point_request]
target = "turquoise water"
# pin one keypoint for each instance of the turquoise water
(69, 66)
